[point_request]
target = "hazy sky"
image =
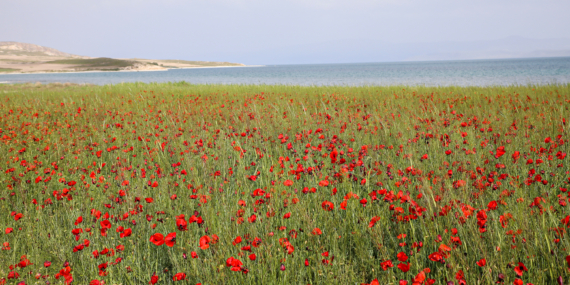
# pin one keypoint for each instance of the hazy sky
(267, 31)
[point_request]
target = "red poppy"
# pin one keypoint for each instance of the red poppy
(126, 233)
(327, 206)
(420, 278)
(170, 239)
(373, 221)
(205, 242)
(181, 224)
(386, 264)
(482, 262)
(105, 224)
(405, 267)
(157, 239)
(520, 269)
(179, 276)
(317, 232)
(153, 279)
(334, 156)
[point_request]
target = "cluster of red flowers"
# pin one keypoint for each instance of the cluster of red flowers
(346, 184)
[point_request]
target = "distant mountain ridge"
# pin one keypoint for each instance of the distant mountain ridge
(17, 48)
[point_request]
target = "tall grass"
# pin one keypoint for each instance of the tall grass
(233, 140)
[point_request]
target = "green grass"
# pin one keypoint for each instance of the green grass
(8, 70)
(208, 140)
(101, 62)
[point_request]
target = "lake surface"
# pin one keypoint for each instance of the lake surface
(435, 73)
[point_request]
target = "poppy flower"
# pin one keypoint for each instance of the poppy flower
(170, 239)
(317, 232)
(520, 269)
(327, 206)
(153, 279)
(402, 256)
(181, 225)
(334, 156)
(205, 242)
(18, 216)
(482, 262)
(105, 224)
(420, 278)
(179, 276)
(405, 267)
(157, 239)
(234, 263)
(126, 233)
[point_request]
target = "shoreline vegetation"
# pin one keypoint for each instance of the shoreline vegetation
(160, 183)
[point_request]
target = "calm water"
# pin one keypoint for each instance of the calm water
(436, 73)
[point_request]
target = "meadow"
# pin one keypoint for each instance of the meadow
(257, 184)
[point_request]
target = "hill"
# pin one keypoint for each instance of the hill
(18, 57)
(24, 49)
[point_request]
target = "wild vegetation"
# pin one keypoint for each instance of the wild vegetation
(99, 62)
(230, 184)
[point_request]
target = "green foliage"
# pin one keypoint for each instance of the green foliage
(99, 62)
(222, 135)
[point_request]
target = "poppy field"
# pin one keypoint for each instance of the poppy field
(175, 183)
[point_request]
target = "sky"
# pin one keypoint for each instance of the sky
(292, 31)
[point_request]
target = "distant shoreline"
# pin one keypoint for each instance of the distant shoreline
(98, 71)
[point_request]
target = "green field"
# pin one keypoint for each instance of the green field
(100, 62)
(264, 184)
(8, 70)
